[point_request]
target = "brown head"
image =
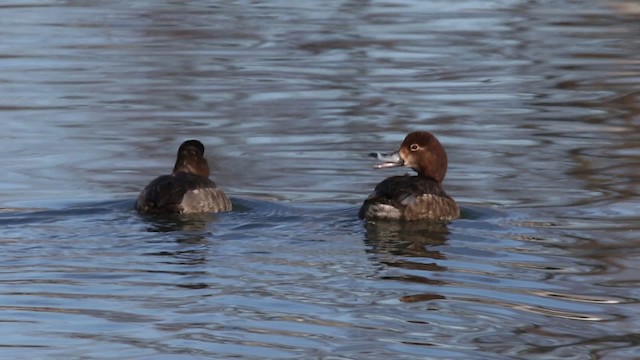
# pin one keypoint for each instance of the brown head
(420, 151)
(191, 159)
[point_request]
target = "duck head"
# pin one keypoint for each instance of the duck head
(420, 151)
(191, 159)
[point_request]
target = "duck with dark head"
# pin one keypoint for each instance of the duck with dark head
(419, 197)
(187, 189)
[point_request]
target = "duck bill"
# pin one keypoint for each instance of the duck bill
(388, 160)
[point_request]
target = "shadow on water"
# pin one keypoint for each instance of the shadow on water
(191, 231)
(195, 234)
(406, 240)
(192, 223)
(415, 238)
(419, 247)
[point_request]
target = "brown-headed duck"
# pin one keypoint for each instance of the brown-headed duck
(406, 197)
(187, 190)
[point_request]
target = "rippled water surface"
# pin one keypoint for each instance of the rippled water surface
(536, 102)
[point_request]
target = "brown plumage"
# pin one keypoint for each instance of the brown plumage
(420, 197)
(187, 190)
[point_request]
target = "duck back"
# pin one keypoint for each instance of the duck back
(182, 193)
(409, 198)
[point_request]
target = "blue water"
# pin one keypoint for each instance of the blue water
(537, 105)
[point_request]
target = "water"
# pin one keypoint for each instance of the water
(537, 104)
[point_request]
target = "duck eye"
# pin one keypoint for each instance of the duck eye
(414, 147)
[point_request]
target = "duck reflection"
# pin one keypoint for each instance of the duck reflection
(410, 239)
(191, 232)
(406, 245)
(190, 224)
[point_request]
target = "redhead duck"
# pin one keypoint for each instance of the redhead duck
(187, 190)
(406, 197)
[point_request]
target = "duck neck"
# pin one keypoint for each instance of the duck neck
(428, 177)
(192, 166)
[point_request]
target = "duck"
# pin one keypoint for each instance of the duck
(412, 197)
(187, 190)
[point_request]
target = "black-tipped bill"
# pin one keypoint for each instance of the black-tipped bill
(388, 160)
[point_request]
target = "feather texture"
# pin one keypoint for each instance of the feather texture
(409, 198)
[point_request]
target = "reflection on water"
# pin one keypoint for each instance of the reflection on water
(406, 238)
(537, 107)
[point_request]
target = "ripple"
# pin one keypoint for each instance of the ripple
(536, 105)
